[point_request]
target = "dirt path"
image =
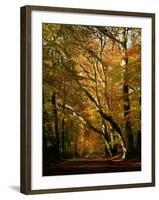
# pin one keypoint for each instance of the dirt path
(83, 166)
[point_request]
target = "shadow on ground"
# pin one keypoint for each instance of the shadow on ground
(15, 188)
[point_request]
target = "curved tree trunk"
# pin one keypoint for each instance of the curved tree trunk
(106, 140)
(114, 125)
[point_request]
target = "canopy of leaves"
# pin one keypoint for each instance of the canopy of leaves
(82, 67)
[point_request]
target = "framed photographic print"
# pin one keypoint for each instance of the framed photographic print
(87, 99)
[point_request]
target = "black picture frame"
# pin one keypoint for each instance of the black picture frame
(26, 118)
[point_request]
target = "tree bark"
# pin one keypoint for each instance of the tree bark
(63, 134)
(126, 100)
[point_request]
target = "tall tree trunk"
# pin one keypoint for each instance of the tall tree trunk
(63, 127)
(63, 134)
(44, 140)
(75, 145)
(55, 122)
(126, 100)
(106, 140)
(45, 155)
(63, 117)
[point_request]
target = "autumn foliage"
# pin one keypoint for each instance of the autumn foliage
(91, 92)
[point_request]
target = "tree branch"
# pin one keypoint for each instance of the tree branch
(82, 119)
(109, 34)
(104, 115)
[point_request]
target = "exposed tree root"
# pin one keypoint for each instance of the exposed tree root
(117, 158)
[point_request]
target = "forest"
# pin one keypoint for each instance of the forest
(91, 99)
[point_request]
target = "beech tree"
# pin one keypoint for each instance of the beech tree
(89, 88)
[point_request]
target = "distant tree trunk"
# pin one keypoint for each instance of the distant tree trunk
(138, 135)
(63, 127)
(45, 156)
(75, 145)
(126, 100)
(138, 143)
(44, 140)
(55, 122)
(63, 118)
(63, 134)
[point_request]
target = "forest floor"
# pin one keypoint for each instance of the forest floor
(91, 165)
